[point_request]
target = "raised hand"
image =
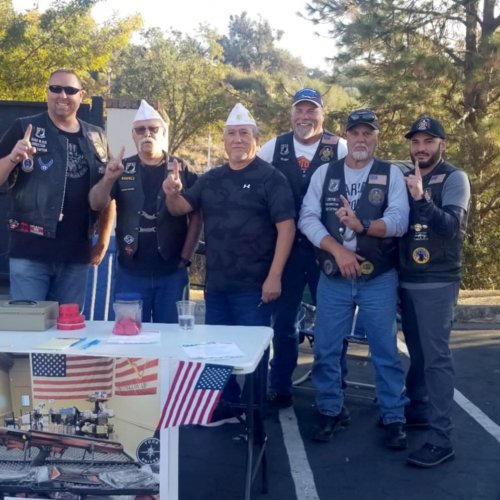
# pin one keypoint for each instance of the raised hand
(172, 185)
(347, 215)
(414, 183)
(114, 168)
(23, 148)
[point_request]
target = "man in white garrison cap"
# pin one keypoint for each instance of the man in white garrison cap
(154, 247)
(248, 214)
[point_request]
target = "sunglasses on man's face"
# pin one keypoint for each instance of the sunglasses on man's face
(142, 130)
(57, 89)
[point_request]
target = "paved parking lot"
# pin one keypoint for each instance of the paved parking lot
(355, 464)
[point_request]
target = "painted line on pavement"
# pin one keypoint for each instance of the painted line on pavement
(302, 475)
(470, 408)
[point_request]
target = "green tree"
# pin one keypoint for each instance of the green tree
(250, 46)
(415, 57)
(33, 44)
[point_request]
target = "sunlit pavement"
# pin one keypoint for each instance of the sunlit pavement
(355, 464)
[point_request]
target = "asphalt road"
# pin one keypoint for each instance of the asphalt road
(355, 464)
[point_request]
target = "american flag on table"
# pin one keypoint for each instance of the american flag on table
(194, 393)
(136, 376)
(57, 376)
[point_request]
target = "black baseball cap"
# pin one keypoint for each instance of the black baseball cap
(427, 125)
(309, 95)
(362, 116)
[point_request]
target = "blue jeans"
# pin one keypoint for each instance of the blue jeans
(301, 269)
(36, 280)
(245, 309)
(427, 317)
(376, 299)
(159, 293)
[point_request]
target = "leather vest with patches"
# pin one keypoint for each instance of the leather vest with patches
(380, 253)
(38, 189)
(424, 255)
(285, 160)
(170, 230)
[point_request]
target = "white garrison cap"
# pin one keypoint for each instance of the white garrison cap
(147, 112)
(240, 116)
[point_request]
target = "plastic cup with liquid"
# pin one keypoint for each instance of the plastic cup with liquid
(185, 313)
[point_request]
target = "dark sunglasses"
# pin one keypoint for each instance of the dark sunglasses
(368, 116)
(57, 89)
(142, 130)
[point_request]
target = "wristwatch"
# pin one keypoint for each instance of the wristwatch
(186, 262)
(366, 225)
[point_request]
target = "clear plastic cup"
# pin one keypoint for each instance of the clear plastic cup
(185, 313)
(128, 314)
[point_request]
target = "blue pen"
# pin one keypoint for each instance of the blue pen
(91, 344)
(78, 342)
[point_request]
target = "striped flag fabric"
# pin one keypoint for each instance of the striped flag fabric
(136, 376)
(57, 376)
(194, 393)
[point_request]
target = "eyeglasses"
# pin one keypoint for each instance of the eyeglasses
(57, 89)
(368, 116)
(142, 130)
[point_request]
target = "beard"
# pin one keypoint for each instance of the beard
(304, 131)
(433, 160)
(360, 155)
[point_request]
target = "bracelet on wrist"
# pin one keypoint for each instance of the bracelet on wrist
(14, 162)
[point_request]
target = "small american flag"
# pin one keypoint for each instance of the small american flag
(194, 393)
(57, 376)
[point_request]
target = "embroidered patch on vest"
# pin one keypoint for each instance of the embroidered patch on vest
(421, 255)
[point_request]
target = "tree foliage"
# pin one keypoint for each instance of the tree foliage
(34, 44)
(250, 46)
(415, 57)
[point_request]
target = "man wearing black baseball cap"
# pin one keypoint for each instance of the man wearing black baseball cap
(297, 154)
(353, 211)
(430, 272)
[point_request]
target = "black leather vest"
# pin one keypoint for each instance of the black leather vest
(285, 160)
(170, 230)
(426, 256)
(380, 253)
(39, 185)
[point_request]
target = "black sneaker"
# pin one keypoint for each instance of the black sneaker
(430, 455)
(395, 436)
(277, 401)
(328, 425)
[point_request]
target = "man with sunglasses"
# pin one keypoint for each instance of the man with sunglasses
(297, 154)
(154, 247)
(353, 211)
(50, 161)
(430, 272)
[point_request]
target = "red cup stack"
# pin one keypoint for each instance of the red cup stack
(70, 318)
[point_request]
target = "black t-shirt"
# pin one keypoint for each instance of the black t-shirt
(71, 243)
(240, 209)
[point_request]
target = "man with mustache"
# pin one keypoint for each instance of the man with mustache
(430, 272)
(353, 211)
(297, 154)
(154, 247)
(50, 161)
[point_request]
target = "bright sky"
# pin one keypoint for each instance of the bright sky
(186, 15)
